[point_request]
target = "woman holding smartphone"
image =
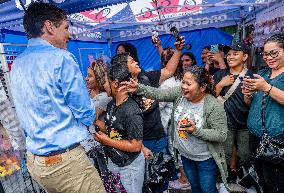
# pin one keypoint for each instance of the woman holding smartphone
(265, 92)
(198, 127)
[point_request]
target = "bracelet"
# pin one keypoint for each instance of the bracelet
(268, 92)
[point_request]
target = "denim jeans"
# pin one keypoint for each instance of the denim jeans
(157, 145)
(131, 176)
(201, 175)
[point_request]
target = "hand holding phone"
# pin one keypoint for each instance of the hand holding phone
(155, 37)
(175, 33)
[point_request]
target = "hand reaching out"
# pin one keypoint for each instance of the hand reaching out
(128, 86)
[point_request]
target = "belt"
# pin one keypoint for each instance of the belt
(60, 151)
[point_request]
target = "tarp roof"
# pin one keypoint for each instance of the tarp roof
(119, 20)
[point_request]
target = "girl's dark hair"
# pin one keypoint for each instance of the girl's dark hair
(131, 49)
(201, 75)
(278, 38)
(166, 55)
(189, 54)
(99, 69)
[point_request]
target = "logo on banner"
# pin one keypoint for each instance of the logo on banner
(190, 22)
(178, 9)
(102, 14)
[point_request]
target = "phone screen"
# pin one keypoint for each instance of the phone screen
(214, 48)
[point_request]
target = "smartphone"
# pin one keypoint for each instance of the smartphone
(155, 37)
(185, 126)
(175, 33)
(214, 48)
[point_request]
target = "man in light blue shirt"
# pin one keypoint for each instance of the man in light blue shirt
(53, 104)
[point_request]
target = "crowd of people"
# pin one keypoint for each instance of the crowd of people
(209, 117)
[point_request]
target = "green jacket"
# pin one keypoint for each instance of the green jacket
(214, 131)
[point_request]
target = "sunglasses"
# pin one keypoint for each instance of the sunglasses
(272, 54)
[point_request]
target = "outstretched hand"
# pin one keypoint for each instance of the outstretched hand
(128, 86)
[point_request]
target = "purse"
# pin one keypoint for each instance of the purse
(111, 181)
(269, 149)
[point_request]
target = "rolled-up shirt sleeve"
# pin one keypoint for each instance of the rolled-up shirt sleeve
(75, 91)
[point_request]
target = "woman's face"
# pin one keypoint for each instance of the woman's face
(186, 62)
(120, 50)
(133, 66)
(236, 58)
(91, 79)
(273, 55)
(190, 88)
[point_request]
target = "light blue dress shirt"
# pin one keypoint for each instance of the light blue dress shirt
(51, 98)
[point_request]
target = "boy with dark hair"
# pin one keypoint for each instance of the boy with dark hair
(124, 129)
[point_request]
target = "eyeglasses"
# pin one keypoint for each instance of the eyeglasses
(272, 54)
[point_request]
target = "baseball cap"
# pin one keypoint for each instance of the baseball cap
(240, 46)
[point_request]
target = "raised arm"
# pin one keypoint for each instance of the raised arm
(171, 66)
(162, 95)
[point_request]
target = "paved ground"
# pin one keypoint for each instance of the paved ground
(19, 183)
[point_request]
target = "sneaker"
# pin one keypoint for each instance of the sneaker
(176, 184)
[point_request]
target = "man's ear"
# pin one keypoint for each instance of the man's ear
(48, 27)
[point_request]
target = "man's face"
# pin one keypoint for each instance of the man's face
(61, 35)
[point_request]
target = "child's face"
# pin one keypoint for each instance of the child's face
(236, 58)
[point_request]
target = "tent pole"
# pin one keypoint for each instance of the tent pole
(23, 6)
(108, 41)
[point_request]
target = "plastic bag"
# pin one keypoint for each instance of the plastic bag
(160, 168)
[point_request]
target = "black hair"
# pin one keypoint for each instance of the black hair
(119, 72)
(278, 38)
(120, 58)
(131, 49)
(192, 57)
(206, 48)
(201, 75)
(37, 13)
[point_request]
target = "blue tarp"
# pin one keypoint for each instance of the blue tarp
(122, 20)
(147, 53)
